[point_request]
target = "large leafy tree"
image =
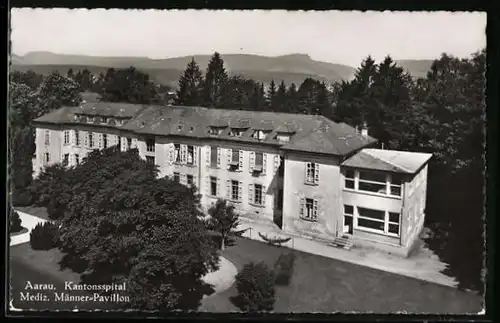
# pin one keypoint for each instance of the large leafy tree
(23, 103)
(190, 86)
(214, 86)
(56, 91)
(223, 220)
(119, 222)
(128, 85)
(453, 106)
(29, 78)
(292, 102)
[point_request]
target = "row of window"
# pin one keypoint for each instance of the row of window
(90, 139)
(379, 183)
(185, 179)
(101, 119)
(258, 134)
(234, 191)
(377, 221)
(65, 159)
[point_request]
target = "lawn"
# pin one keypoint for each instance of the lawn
(327, 285)
(23, 230)
(40, 212)
(42, 267)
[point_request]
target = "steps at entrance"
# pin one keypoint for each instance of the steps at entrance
(345, 242)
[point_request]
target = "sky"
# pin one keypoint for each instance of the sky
(344, 37)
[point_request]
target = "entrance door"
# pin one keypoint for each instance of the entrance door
(348, 224)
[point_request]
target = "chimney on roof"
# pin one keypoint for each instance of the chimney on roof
(364, 130)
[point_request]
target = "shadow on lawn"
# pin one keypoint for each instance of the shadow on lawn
(217, 239)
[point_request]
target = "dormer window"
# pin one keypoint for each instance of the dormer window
(215, 131)
(111, 121)
(283, 137)
(236, 132)
(260, 134)
(90, 119)
(104, 119)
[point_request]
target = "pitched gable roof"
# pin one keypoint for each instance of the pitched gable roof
(310, 133)
(388, 160)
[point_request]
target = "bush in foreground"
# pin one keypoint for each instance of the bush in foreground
(255, 285)
(21, 197)
(44, 236)
(283, 268)
(14, 222)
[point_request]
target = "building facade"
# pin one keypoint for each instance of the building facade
(307, 175)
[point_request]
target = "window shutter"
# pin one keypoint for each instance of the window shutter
(263, 195)
(240, 162)
(208, 152)
(240, 191)
(85, 139)
(316, 173)
(276, 163)
(207, 185)
(302, 206)
(170, 151)
(217, 193)
(218, 156)
(250, 193)
(195, 182)
(264, 163)
(315, 209)
(307, 168)
(252, 161)
(134, 143)
(228, 189)
(229, 156)
(195, 155)
(100, 141)
(183, 154)
(183, 179)
(73, 139)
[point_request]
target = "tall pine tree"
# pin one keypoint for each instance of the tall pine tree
(190, 86)
(215, 82)
(280, 102)
(271, 96)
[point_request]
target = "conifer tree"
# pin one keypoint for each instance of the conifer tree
(215, 82)
(190, 86)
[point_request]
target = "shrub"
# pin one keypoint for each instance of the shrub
(14, 222)
(274, 241)
(44, 236)
(21, 197)
(255, 286)
(283, 268)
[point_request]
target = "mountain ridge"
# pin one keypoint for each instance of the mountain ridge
(290, 68)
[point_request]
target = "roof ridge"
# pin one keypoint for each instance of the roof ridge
(388, 162)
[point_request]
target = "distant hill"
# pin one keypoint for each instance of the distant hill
(289, 68)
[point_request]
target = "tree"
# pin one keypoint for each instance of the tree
(271, 96)
(29, 78)
(280, 102)
(453, 103)
(257, 98)
(292, 99)
(57, 91)
(215, 81)
(70, 74)
(84, 78)
(224, 220)
(190, 86)
(128, 85)
(122, 223)
(255, 286)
